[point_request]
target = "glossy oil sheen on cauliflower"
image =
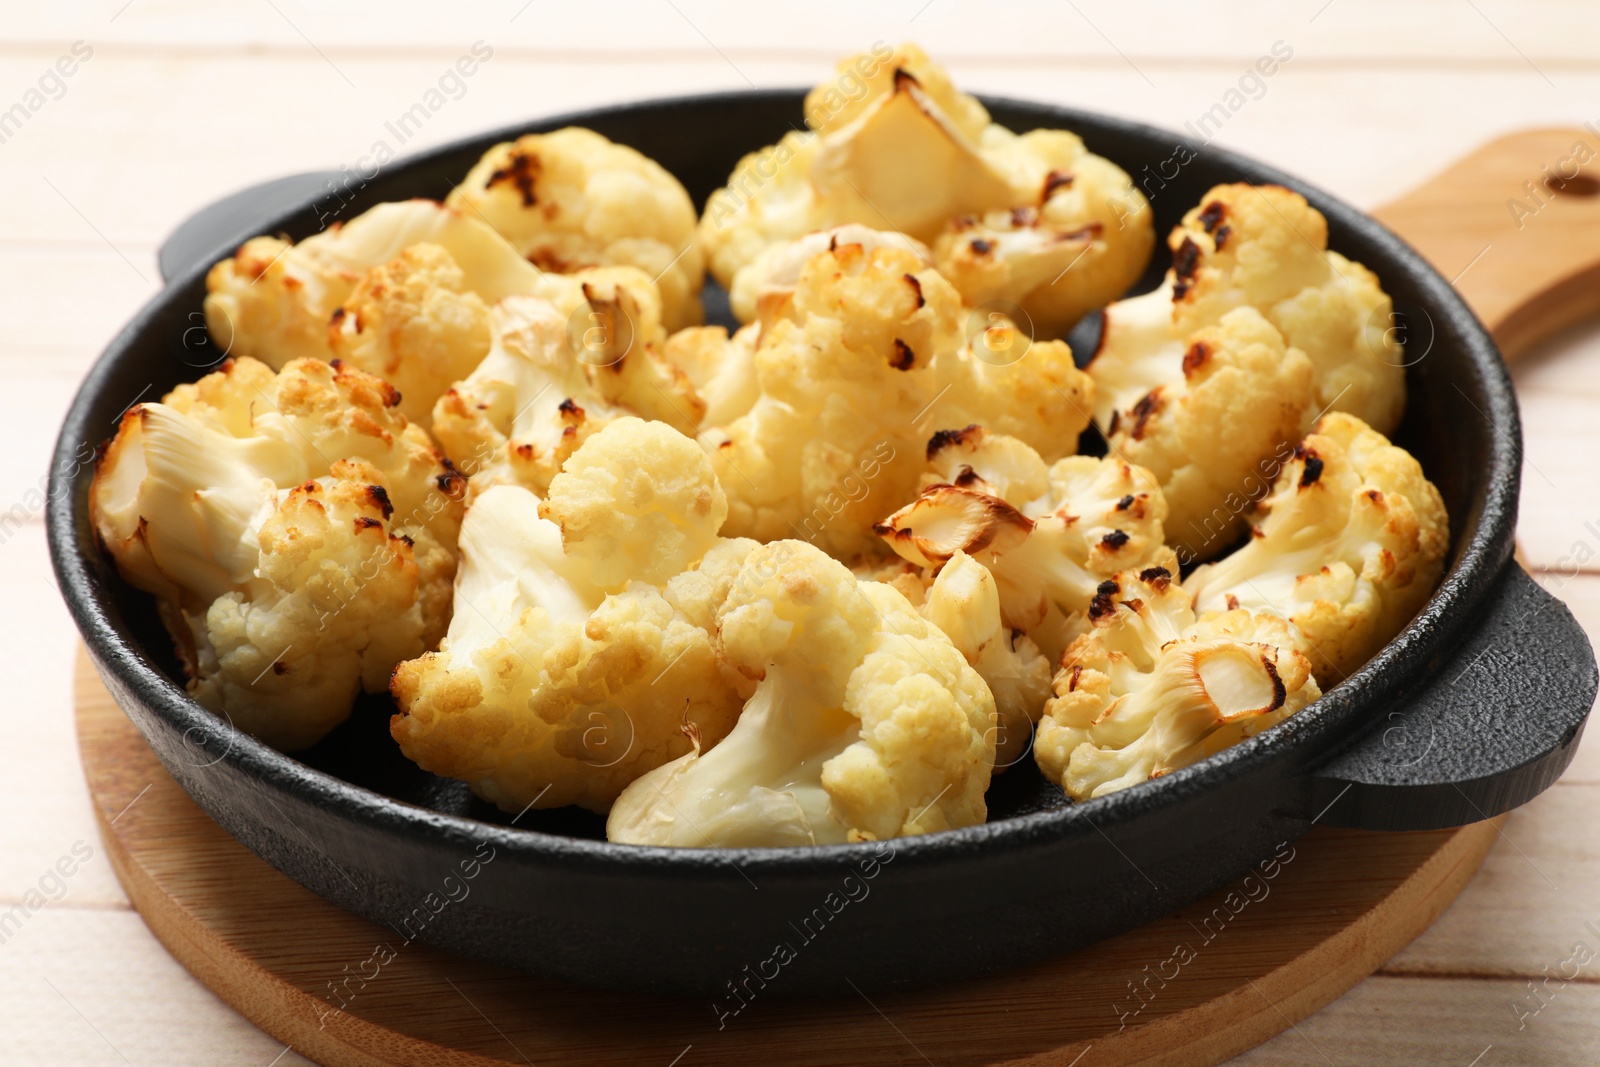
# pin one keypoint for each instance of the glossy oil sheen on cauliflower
(865, 722)
(1049, 534)
(1348, 547)
(579, 652)
(552, 377)
(299, 532)
(911, 153)
(573, 199)
(1151, 689)
(866, 360)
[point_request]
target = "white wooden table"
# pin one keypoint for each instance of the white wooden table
(181, 102)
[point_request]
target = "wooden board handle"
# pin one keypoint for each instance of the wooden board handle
(1515, 225)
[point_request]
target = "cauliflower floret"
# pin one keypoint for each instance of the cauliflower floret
(763, 287)
(722, 369)
(866, 723)
(1265, 247)
(274, 300)
(865, 363)
(572, 199)
(551, 379)
(413, 323)
(1049, 536)
(640, 506)
(300, 534)
(1151, 689)
(1348, 547)
(964, 602)
(910, 153)
(561, 680)
(1076, 245)
(1211, 419)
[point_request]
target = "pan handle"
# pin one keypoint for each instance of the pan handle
(220, 227)
(1492, 727)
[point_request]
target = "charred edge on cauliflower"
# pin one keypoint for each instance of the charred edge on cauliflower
(916, 287)
(1104, 602)
(981, 247)
(377, 494)
(943, 439)
(1143, 411)
(1114, 540)
(1279, 693)
(903, 358)
(1195, 358)
(1053, 181)
(1125, 503)
(452, 483)
(1157, 578)
(1185, 262)
(1212, 214)
(522, 171)
(1312, 471)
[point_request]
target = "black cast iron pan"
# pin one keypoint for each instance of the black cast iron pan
(1474, 709)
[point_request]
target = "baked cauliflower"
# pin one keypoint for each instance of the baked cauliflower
(766, 284)
(865, 362)
(579, 654)
(299, 533)
(1265, 247)
(963, 600)
(275, 301)
(1211, 416)
(865, 722)
(552, 377)
(1150, 688)
(1049, 534)
(573, 199)
(913, 154)
(1077, 243)
(1256, 331)
(1348, 547)
(415, 324)
(722, 369)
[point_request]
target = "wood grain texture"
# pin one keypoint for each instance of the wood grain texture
(1219, 977)
(187, 100)
(1515, 225)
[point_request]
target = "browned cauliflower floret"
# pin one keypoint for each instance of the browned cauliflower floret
(1211, 420)
(1078, 244)
(413, 322)
(573, 199)
(1049, 535)
(908, 152)
(552, 377)
(1150, 689)
(300, 534)
(865, 362)
(1348, 547)
(563, 676)
(865, 723)
(1265, 247)
(274, 301)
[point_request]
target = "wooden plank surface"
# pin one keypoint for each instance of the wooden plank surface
(185, 101)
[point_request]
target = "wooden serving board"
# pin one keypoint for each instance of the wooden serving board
(1264, 955)
(1196, 988)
